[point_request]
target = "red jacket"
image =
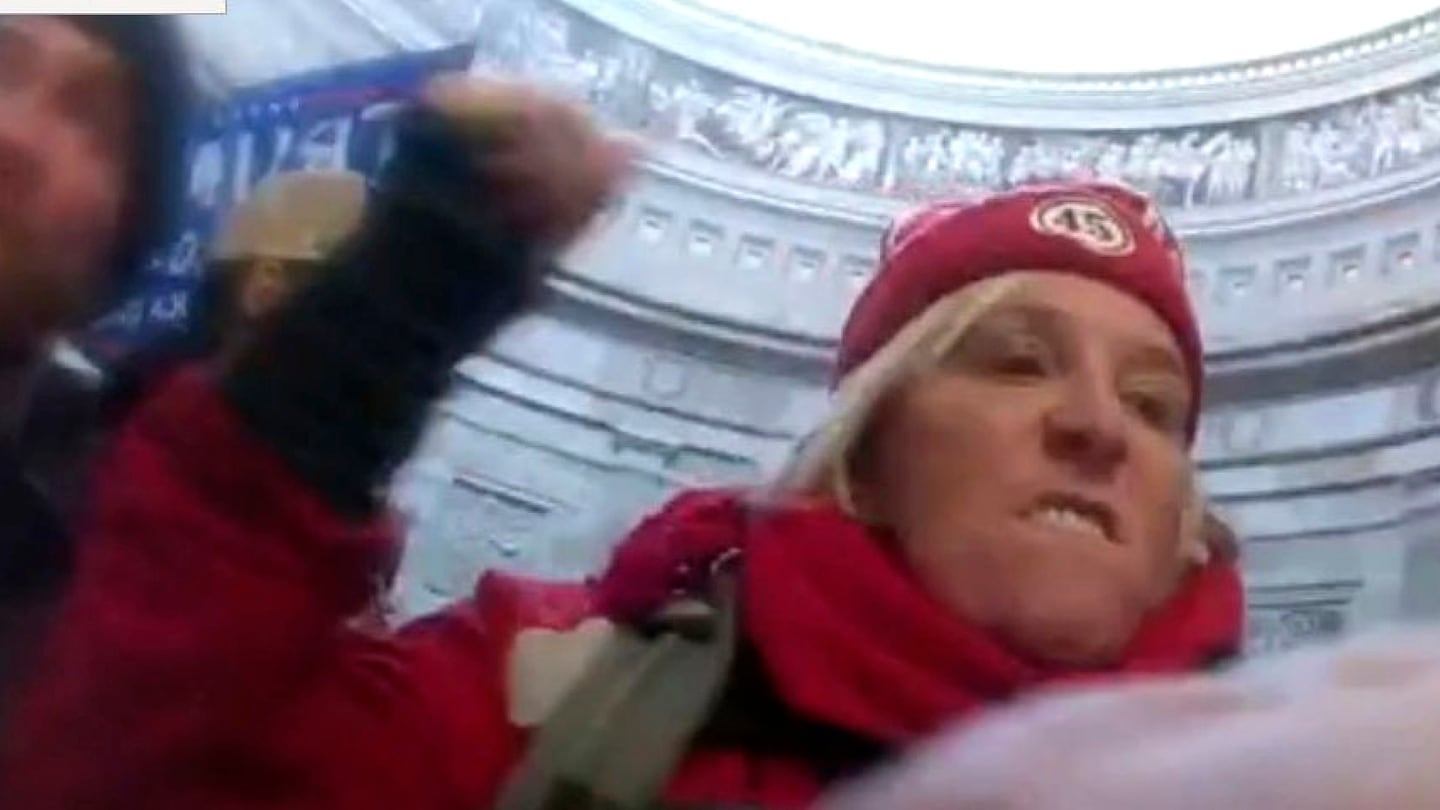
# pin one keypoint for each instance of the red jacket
(206, 657)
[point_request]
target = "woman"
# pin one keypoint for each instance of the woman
(1002, 496)
(1003, 499)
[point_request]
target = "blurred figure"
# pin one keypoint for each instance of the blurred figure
(1342, 727)
(1002, 499)
(92, 112)
(276, 244)
(269, 247)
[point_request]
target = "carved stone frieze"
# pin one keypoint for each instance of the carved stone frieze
(637, 86)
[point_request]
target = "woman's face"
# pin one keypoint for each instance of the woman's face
(1036, 479)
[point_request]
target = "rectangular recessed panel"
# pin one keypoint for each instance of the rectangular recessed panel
(1236, 283)
(1347, 266)
(704, 238)
(1292, 275)
(857, 270)
(1402, 253)
(754, 253)
(653, 224)
(805, 263)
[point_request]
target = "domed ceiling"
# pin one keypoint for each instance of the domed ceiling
(1067, 37)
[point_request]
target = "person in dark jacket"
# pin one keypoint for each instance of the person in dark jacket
(92, 112)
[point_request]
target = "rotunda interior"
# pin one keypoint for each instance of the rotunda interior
(688, 338)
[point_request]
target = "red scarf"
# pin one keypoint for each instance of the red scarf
(848, 636)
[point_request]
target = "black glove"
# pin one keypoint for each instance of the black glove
(340, 382)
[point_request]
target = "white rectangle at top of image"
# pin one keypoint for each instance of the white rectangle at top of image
(87, 7)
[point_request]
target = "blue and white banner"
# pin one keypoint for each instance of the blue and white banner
(340, 118)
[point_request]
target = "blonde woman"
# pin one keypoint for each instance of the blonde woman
(1003, 499)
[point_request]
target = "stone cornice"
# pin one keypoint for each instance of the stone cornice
(1366, 64)
(1205, 222)
(1347, 358)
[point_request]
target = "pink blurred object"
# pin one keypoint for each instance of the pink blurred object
(1339, 728)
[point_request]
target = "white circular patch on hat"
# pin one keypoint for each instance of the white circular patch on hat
(1090, 222)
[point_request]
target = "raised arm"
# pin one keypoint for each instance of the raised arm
(205, 657)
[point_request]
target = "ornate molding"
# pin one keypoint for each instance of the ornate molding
(869, 145)
(864, 147)
(823, 191)
(1284, 472)
(788, 60)
(1346, 358)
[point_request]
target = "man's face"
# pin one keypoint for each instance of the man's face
(66, 127)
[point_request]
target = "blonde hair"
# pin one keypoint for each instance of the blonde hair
(822, 465)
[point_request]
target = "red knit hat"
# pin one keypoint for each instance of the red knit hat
(1101, 231)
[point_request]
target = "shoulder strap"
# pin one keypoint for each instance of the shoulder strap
(618, 735)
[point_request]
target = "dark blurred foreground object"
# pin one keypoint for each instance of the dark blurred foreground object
(165, 102)
(43, 482)
(45, 447)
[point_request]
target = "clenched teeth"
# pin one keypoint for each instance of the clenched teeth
(1069, 520)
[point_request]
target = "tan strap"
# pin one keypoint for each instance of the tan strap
(617, 737)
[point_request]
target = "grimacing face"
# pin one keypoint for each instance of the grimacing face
(65, 135)
(1037, 478)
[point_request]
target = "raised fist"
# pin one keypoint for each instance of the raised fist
(548, 165)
